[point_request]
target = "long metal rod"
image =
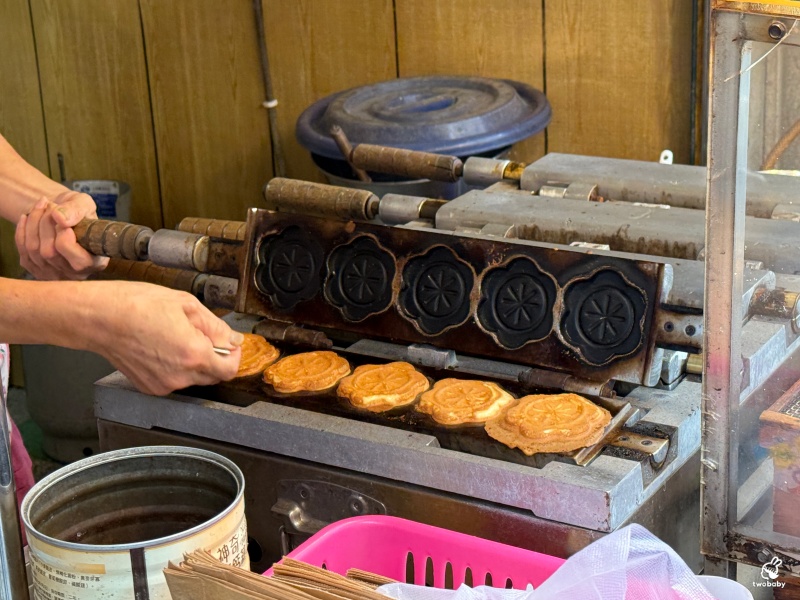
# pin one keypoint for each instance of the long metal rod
(271, 104)
(725, 219)
(13, 579)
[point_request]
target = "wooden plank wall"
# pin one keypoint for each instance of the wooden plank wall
(317, 48)
(95, 94)
(212, 133)
(474, 37)
(619, 77)
(166, 94)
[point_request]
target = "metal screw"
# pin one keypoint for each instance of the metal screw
(357, 506)
(304, 494)
(669, 326)
(690, 330)
(776, 30)
(647, 443)
(764, 555)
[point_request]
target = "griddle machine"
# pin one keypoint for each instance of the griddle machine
(573, 273)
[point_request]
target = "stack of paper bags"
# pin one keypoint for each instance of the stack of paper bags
(202, 577)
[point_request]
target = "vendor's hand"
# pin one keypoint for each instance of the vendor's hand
(47, 245)
(162, 339)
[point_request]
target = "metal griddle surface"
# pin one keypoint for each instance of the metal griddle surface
(471, 439)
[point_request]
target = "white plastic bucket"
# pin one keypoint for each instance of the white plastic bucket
(106, 527)
(725, 589)
(113, 198)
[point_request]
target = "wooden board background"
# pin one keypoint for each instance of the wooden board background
(95, 94)
(619, 77)
(474, 37)
(318, 47)
(211, 131)
(166, 94)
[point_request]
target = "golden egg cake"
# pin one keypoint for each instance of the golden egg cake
(379, 388)
(257, 355)
(307, 372)
(464, 401)
(550, 423)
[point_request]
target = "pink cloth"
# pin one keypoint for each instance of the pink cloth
(20, 461)
(22, 464)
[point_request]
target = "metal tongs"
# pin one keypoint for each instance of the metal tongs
(13, 578)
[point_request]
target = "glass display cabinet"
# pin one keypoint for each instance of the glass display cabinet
(751, 360)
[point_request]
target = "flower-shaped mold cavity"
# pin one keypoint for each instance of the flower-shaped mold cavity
(603, 317)
(289, 265)
(436, 290)
(360, 276)
(517, 303)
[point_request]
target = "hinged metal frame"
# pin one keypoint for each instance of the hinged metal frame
(733, 26)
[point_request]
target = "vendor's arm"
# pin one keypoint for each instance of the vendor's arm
(161, 339)
(44, 212)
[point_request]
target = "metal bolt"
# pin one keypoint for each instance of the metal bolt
(647, 443)
(776, 30)
(357, 506)
(669, 326)
(304, 493)
(690, 330)
(764, 555)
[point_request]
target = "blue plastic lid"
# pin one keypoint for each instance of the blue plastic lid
(460, 116)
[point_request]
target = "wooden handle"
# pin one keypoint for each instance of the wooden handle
(216, 228)
(113, 238)
(407, 163)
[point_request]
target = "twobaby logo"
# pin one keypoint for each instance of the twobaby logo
(769, 573)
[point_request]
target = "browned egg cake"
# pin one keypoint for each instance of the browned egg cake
(379, 388)
(550, 423)
(464, 401)
(308, 371)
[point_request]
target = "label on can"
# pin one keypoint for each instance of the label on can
(104, 194)
(62, 574)
(234, 550)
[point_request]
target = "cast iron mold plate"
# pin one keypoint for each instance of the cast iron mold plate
(360, 276)
(603, 317)
(516, 303)
(289, 265)
(436, 290)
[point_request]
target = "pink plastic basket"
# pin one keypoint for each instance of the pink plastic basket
(385, 545)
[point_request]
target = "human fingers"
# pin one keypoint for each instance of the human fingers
(213, 332)
(72, 208)
(41, 272)
(32, 233)
(220, 368)
(47, 246)
(80, 262)
(19, 241)
(214, 328)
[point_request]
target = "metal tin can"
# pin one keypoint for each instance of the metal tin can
(106, 527)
